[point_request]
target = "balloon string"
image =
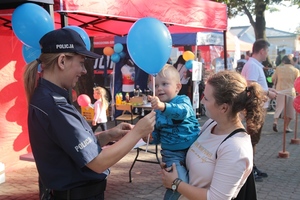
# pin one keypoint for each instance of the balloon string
(153, 88)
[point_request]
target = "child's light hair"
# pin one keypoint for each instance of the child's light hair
(103, 93)
(170, 71)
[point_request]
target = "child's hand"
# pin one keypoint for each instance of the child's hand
(156, 103)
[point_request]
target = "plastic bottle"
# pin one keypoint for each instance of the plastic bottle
(138, 92)
(127, 97)
(117, 99)
(121, 97)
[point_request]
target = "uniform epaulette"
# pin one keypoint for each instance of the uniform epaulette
(58, 99)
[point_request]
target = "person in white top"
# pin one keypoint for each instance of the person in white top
(253, 72)
(221, 177)
(283, 79)
(100, 107)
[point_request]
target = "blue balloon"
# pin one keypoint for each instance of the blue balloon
(118, 47)
(122, 54)
(30, 54)
(189, 64)
(83, 34)
(115, 57)
(30, 22)
(149, 44)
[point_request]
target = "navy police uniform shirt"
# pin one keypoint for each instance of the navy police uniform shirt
(62, 141)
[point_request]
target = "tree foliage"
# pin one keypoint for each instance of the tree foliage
(255, 11)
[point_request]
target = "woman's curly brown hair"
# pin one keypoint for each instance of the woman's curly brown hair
(231, 88)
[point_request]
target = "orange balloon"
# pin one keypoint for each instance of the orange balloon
(108, 51)
(188, 55)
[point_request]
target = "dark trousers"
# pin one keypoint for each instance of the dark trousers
(98, 197)
(80, 193)
(103, 127)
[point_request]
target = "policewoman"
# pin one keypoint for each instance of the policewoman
(69, 156)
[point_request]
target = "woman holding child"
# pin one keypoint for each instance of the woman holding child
(217, 168)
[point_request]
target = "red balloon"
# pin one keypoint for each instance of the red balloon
(297, 84)
(296, 104)
(83, 100)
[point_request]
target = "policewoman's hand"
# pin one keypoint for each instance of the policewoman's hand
(120, 130)
(145, 125)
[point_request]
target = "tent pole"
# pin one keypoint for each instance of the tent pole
(112, 88)
(225, 50)
(50, 10)
(63, 20)
(195, 84)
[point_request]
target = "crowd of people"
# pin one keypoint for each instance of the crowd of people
(213, 160)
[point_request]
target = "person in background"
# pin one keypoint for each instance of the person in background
(248, 55)
(296, 62)
(176, 124)
(240, 63)
(69, 157)
(269, 71)
(283, 79)
(200, 58)
(185, 75)
(243, 59)
(279, 57)
(100, 107)
(253, 72)
(217, 169)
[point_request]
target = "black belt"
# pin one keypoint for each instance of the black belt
(81, 192)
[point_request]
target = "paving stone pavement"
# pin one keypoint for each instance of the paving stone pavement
(283, 181)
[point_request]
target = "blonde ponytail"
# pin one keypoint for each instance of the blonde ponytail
(30, 78)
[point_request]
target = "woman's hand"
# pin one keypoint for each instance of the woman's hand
(272, 94)
(145, 125)
(169, 175)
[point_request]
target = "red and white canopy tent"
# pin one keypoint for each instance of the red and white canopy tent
(116, 17)
(99, 18)
(107, 18)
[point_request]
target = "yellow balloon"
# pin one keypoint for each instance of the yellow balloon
(188, 55)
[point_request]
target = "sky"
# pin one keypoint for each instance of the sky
(287, 19)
